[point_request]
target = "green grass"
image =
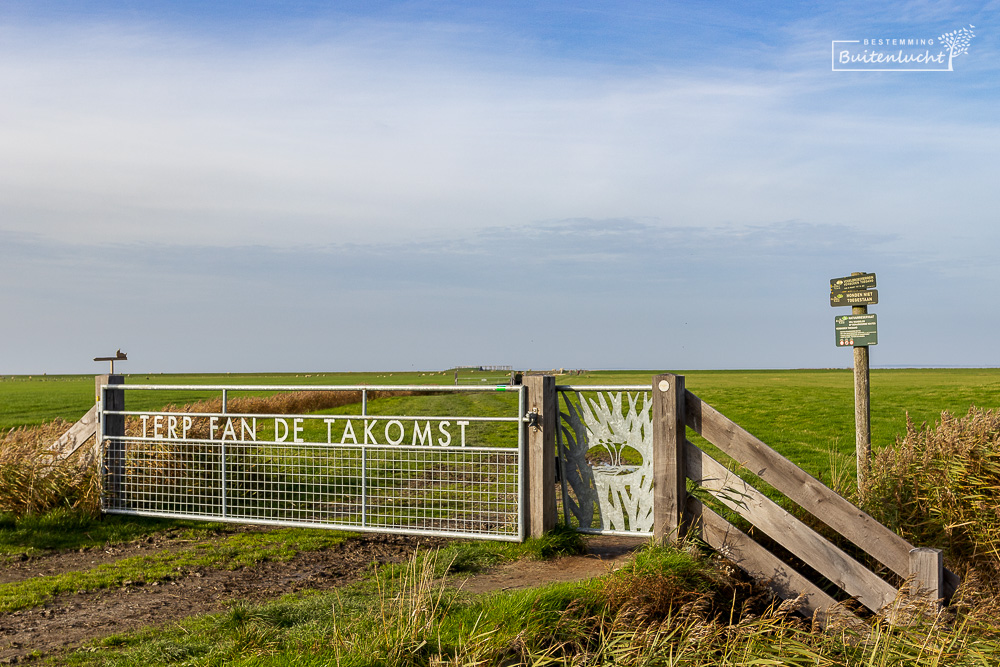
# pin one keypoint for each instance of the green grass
(804, 414)
(668, 607)
(29, 400)
(231, 552)
(801, 413)
(69, 530)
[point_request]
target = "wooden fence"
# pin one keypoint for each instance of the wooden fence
(677, 513)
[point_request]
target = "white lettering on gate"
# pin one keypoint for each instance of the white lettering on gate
(171, 426)
(446, 440)
(291, 429)
(245, 426)
(348, 433)
(402, 432)
(284, 430)
(424, 437)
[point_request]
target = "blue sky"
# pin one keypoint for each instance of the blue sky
(310, 186)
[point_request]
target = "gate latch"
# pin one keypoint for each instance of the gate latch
(532, 418)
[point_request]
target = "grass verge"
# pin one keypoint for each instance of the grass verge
(232, 552)
(668, 607)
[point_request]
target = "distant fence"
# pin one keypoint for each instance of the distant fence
(483, 377)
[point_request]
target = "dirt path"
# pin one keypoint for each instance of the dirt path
(68, 621)
(605, 553)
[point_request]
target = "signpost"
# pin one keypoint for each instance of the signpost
(854, 298)
(858, 330)
(855, 281)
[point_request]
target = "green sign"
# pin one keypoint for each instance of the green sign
(856, 330)
(854, 298)
(850, 283)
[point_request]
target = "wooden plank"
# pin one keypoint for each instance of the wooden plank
(541, 491)
(669, 435)
(75, 437)
(857, 526)
(926, 566)
(814, 549)
(762, 565)
(801, 487)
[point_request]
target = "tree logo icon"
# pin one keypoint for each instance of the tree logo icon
(957, 42)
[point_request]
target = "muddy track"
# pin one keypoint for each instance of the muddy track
(70, 620)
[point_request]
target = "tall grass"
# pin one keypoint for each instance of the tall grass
(939, 486)
(32, 483)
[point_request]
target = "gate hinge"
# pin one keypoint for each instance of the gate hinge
(532, 419)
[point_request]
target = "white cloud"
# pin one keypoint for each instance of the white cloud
(136, 136)
(397, 191)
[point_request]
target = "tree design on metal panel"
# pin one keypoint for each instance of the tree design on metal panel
(607, 460)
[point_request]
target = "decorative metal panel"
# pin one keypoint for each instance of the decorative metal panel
(606, 456)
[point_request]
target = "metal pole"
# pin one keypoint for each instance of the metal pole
(364, 486)
(225, 403)
(224, 497)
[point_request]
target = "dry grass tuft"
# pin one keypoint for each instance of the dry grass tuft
(32, 483)
(939, 486)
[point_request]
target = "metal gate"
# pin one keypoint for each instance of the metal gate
(366, 470)
(605, 454)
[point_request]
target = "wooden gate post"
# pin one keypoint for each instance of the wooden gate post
(927, 574)
(109, 434)
(540, 494)
(669, 435)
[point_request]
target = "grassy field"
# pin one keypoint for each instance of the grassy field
(804, 414)
(29, 400)
(404, 616)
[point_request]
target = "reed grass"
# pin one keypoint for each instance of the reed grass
(31, 482)
(939, 486)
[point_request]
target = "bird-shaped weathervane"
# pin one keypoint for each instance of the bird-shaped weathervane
(119, 356)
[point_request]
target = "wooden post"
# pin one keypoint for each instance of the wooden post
(669, 435)
(927, 574)
(862, 405)
(541, 439)
(109, 434)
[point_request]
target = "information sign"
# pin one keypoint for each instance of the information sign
(860, 281)
(866, 297)
(856, 330)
